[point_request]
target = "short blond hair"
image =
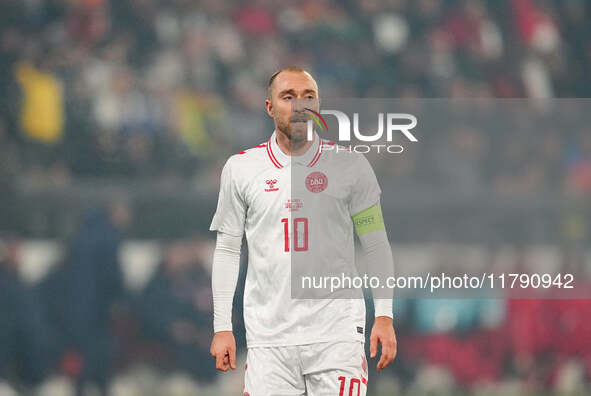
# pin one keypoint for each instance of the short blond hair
(295, 69)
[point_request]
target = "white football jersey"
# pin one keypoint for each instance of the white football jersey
(296, 211)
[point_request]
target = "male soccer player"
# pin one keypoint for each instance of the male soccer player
(297, 346)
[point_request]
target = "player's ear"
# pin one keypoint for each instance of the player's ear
(269, 107)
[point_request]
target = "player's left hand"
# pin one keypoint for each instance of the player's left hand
(383, 332)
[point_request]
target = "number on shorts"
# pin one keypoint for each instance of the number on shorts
(352, 383)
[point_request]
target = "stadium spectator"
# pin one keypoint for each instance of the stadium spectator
(92, 284)
(175, 309)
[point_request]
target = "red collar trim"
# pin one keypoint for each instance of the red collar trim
(272, 156)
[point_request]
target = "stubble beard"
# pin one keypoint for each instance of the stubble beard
(296, 132)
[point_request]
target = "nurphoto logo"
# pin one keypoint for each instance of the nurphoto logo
(390, 123)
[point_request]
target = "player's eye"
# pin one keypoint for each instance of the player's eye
(287, 97)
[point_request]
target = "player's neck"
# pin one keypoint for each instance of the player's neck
(290, 148)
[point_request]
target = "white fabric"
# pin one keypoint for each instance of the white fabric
(226, 266)
(378, 253)
(313, 370)
(303, 159)
(256, 197)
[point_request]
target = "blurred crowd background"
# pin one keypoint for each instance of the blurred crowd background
(117, 115)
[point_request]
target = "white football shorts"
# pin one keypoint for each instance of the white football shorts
(320, 369)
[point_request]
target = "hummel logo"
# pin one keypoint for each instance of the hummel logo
(271, 183)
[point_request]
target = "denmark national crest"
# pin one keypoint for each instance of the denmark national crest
(316, 182)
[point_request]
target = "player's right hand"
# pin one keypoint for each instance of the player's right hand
(223, 349)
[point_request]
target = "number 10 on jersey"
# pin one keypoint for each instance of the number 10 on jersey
(298, 233)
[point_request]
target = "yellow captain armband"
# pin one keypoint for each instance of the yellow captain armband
(369, 220)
